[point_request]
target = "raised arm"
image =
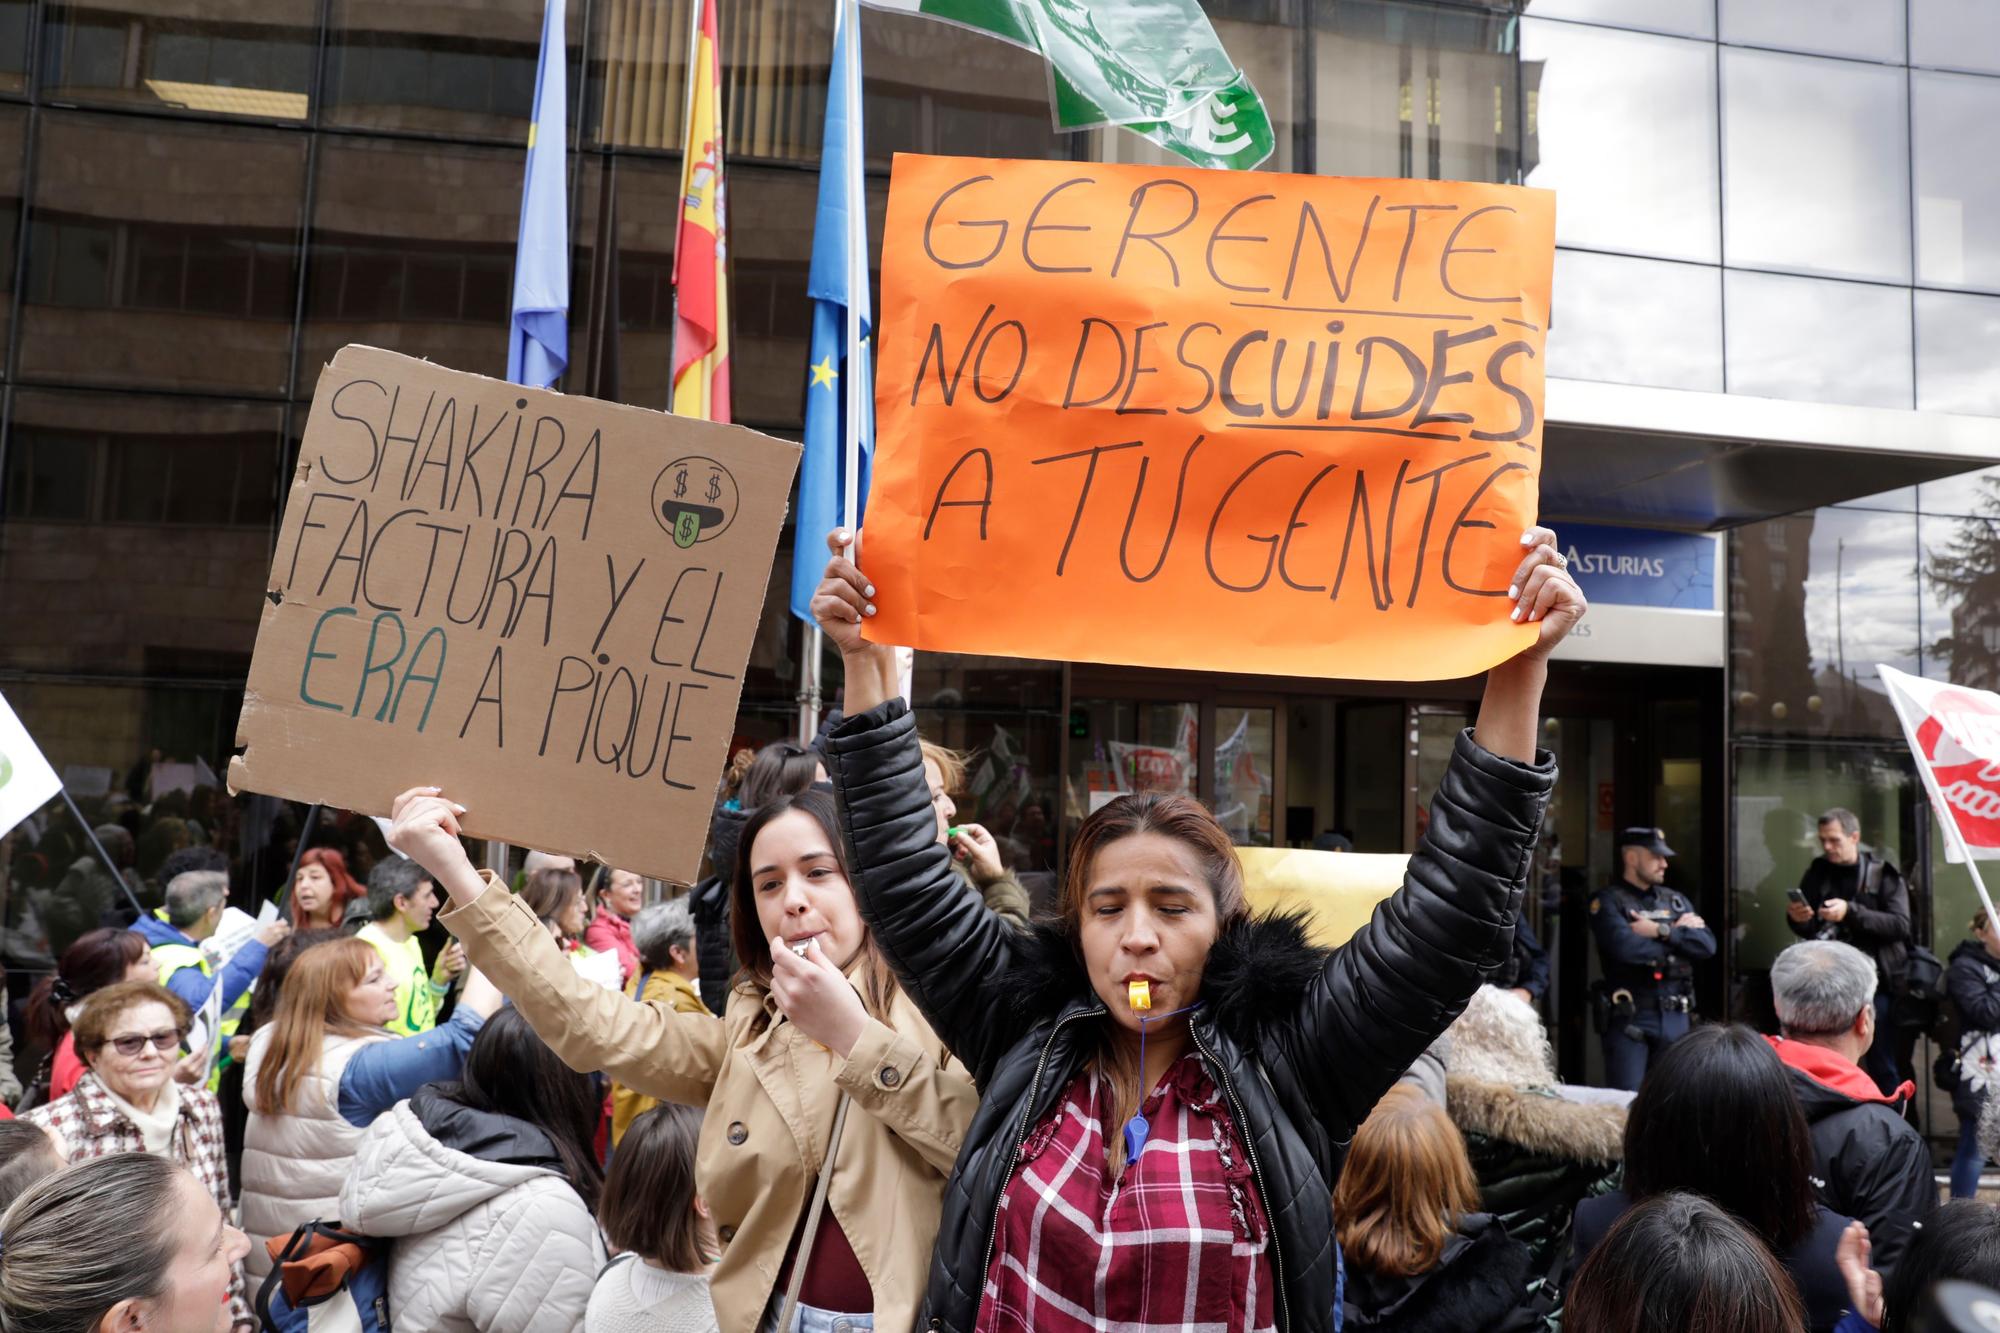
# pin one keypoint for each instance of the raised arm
(383, 1073)
(647, 1047)
(948, 951)
(1386, 995)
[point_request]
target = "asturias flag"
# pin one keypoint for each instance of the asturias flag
(701, 287)
(538, 333)
(820, 479)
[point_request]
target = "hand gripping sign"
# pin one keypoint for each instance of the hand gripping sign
(1216, 420)
(541, 603)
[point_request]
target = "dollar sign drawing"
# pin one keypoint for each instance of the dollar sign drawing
(714, 487)
(680, 483)
(687, 528)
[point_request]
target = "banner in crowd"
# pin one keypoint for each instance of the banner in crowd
(1210, 420)
(542, 604)
(27, 783)
(1954, 734)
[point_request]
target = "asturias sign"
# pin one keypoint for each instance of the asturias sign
(1642, 567)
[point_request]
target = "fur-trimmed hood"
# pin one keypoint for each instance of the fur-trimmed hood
(1258, 971)
(1537, 1119)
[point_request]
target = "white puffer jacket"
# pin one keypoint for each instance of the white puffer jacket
(295, 1164)
(493, 1243)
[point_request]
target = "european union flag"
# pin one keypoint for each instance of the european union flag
(538, 332)
(820, 474)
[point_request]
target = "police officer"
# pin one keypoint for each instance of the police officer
(1648, 940)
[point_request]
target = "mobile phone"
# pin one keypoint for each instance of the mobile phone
(1796, 895)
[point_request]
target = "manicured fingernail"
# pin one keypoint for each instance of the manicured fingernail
(1527, 539)
(1513, 592)
(1516, 615)
(868, 610)
(868, 591)
(456, 806)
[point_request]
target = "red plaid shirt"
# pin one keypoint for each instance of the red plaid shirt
(1176, 1243)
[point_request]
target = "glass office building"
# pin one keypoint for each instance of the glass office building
(1777, 327)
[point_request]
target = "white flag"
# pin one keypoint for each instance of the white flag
(1954, 733)
(26, 780)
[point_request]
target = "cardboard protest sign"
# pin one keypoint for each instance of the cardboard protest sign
(542, 604)
(1217, 420)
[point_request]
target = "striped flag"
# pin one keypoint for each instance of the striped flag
(701, 284)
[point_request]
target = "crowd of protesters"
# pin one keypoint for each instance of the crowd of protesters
(851, 1081)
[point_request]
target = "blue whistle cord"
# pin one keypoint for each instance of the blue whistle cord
(1138, 1127)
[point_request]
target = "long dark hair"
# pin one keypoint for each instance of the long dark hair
(99, 958)
(1679, 1264)
(511, 1071)
(1717, 1117)
(746, 930)
(1962, 1241)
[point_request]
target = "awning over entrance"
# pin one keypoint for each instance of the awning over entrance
(1703, 462)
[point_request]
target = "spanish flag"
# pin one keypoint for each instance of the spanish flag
(701, 284)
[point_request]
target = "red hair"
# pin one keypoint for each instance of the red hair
(345, 889)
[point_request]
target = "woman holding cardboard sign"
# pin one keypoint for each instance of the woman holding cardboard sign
(833, 1111)
(1156, 1061)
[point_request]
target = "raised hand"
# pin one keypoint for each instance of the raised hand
(845, 597)
(425, 828)
(1544, 592)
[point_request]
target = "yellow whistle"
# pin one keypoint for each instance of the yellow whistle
(1141, 994)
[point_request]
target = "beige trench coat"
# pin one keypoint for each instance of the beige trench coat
(770, 1094)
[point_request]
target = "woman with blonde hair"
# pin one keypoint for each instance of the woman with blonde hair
(1419, 1255)
(320, 1072)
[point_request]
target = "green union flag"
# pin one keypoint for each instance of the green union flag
(1156, 69)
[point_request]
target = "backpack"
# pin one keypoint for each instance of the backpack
(1923, 993)
(325, 1279)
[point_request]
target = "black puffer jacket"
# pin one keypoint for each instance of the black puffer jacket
(1301, 1041)
(1478, 1285)
(709, 902)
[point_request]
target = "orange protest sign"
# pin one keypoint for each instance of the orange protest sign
(1229, 421)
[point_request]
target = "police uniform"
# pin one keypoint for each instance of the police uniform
(1648, 983)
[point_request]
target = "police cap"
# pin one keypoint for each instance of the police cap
(1652, 839)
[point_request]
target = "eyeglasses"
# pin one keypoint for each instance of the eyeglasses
(166, 1040)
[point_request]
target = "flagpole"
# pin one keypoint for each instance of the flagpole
(1947, 817)
(809, 688)
(857, 274)
(116, 875)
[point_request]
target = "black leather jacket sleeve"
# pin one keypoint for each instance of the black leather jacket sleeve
(1400, 981)
(948, 952)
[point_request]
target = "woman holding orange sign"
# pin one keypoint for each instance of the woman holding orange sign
(1167, 1084)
